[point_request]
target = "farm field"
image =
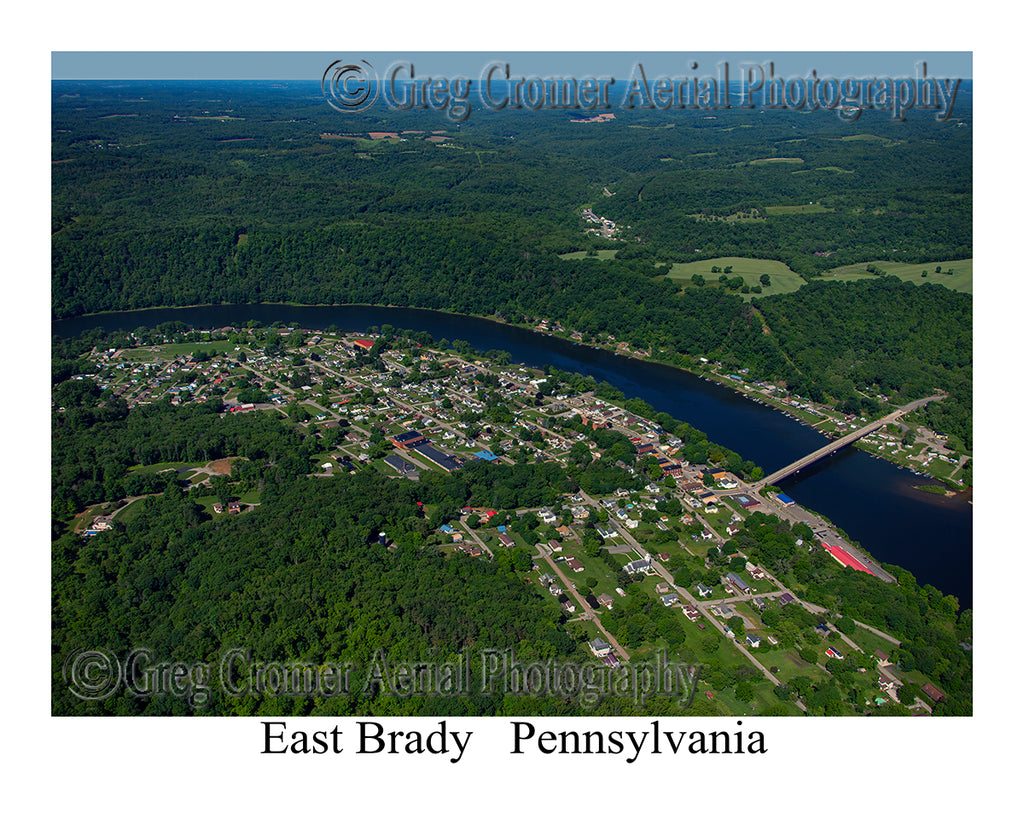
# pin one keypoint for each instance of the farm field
(784, 280)
(962, 279)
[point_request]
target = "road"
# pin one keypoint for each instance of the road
(834, 446)
(587, 613)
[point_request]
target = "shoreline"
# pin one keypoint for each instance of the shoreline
(713, 377)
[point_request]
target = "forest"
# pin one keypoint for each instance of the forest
(177, 194)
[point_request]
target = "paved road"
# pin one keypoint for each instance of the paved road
(588, 613)
(849, 438)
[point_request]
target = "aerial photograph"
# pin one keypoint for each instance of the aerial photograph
(512, 385)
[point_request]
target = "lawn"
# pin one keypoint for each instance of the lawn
(153, 469)
(961, 280)
(209, 347)
(783, 279)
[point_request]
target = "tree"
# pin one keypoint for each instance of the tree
(697, 280)
(744, 691)
(766, 280)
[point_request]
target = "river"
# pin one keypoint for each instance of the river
(871, 499)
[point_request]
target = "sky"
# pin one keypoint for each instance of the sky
(309, 65)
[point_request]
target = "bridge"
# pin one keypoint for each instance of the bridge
(835, 446)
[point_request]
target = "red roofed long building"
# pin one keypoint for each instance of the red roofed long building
(845, 558)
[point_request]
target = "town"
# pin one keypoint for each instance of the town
(392, 403)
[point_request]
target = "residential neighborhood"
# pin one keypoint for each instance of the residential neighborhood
(406, 410)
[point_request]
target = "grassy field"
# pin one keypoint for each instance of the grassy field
(962, 279)
(774, 160)
(582, 254)
(868, 138)
(784, 280)
(156, 468)
(783, 210)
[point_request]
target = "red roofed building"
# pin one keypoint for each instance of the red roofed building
(845, 558)
(365, 343)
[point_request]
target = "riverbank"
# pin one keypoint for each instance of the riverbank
(873, 502)
(823, 419)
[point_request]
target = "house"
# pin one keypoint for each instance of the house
(663, 588)
(605, 600)
(638, 566)
(234, 507)
(833, 652)
(753, 640)
(738, 583)
(669, 599)
(822, 629)
(599, 647)
(887, 682)
(703, 590)
(692, 613)
(933, 693)
(574, 564)
(218, 508)
(786, 598)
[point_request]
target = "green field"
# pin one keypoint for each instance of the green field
(784, 280)
(811, 207)
(582, 254)
(773, 160)
(156, 468)
(962, 279)
(188, 348)
(868, 138)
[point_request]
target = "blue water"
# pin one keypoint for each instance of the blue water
(872, 500)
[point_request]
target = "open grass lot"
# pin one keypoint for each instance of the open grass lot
(784, 280)
(868, 138)
(774, 160)
(813, 207)
(209, 347)
(583, 254)
(153, 469)
(962, 279)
